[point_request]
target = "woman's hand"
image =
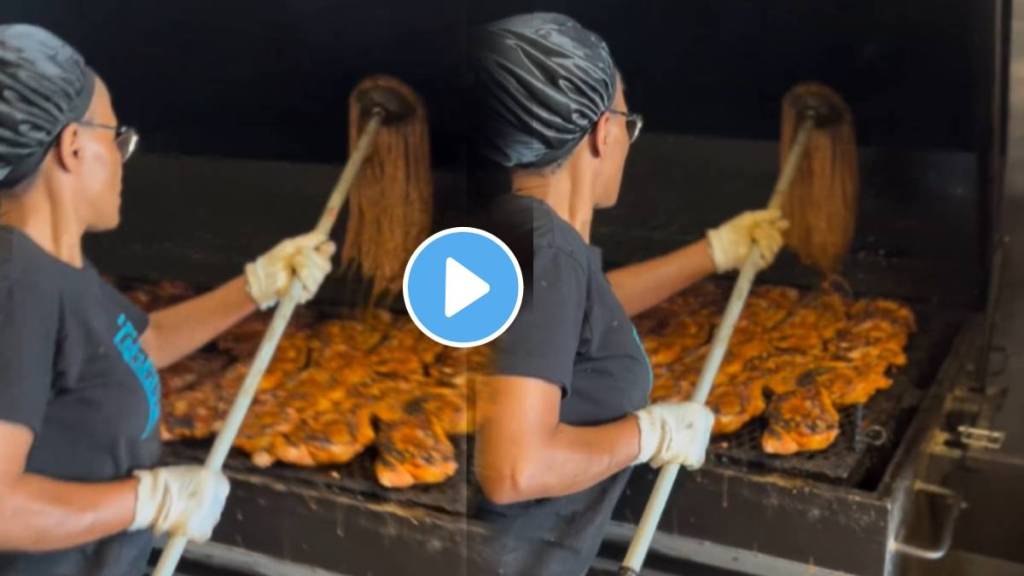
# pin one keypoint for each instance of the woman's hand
(185, 500)
(644, 285)
(180, 330)
(674, 433)
(731, 242)
(307, 257)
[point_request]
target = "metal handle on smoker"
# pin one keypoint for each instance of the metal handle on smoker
(645, 530)
(954, 503)
(268, 346)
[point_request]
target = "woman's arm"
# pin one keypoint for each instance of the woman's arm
(645, 284)
(180, 330)
(39, 514)
(523, 452)
(725, 248)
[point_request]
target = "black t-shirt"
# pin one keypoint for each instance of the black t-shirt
(573, 332)
(72, 371)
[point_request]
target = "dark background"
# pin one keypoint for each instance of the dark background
(243, 111)
(269, 78)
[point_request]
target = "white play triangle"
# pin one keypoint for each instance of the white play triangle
(461, 287)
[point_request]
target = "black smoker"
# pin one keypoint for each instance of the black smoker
(244, 120)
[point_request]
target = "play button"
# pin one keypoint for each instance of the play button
(463, 287)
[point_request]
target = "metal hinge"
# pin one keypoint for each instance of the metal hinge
(981, 438)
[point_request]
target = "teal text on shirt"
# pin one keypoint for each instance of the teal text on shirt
(127, 343)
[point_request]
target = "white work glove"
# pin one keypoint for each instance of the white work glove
(307, 257)
(185, 500)
(674, 433)
(731, 242)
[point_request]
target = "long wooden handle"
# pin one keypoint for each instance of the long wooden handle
(268, 346)
(655, 507)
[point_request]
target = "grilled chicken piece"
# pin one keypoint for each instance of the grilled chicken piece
(406, 340)
(192, 371)
(307, 399)
(664, 351)
(289, 448)
(242, 340)
(676, 382)
(872, 339)
(734, 404)
(414, 451)
(191, 413)
(231, 380)
(811, 323)
(264, 423)
(479, 359)
(449, 408)
(668, 386)
(801, 420)
(847, 384)
(891, 310)
(398, 365)
(674, 336)
(766, 307)
(404, 353)
(705, 299)
(780, 372)
(338, 437)
(350, 335)
(349, 374)
(460, 368)
(336, 388)
(160, 295)
(327, 390)
(292, 353)
(741, 352)
(199, 411)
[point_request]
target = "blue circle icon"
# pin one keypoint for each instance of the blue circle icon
(463, 287)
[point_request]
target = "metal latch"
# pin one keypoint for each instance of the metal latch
(981, 438)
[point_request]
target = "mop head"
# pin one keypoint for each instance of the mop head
(391, 202)
(821, 203)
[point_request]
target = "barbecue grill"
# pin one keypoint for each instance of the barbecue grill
(841, 511)
(930, 190)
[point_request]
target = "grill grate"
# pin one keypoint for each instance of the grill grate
(850, 455)
(457, 495)
(840, 461)
(845, 462)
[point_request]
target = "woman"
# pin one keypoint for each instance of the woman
(565, 417)
(79, 390)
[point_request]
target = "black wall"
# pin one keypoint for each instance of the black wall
(269, 78)
(259, 78)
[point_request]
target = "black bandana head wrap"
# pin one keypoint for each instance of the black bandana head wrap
(44, 85)
(543, 81)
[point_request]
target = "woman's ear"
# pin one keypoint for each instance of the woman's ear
(68, 146)
(599, 136)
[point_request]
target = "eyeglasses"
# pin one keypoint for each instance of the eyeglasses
(125, 137)
(634, 122)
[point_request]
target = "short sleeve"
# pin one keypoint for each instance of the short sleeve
(135, 315)
(542, 341)
(29, 324)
